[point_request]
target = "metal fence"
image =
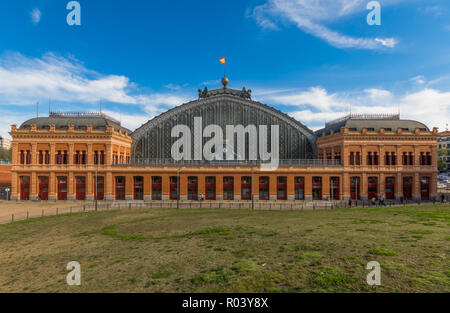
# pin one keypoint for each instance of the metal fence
(247, 205)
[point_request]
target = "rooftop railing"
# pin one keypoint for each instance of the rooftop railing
(286, 162)
(392, 117)
(83, 114)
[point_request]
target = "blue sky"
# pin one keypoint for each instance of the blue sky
(311, 59)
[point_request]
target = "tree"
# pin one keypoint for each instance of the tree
(5, 154)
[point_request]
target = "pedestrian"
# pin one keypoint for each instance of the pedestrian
(383, 200)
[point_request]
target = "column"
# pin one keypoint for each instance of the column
(15, 154)
(53, 153)
(345, 183)
(434, 156)
(166, 184)
(382, 185)
(273, 190)
(326, 194)
(255, 186)
(398, 187)
(219, 187)
(71, 187)
(90, 187)
(416, 188)
(147, 187)
(364, 186)
(129, 187)
(381, 159)
(184, 186)
(109, 187)
(108, 155)
(52, 187)
(237, 187)
(308, 187)
(90, 155)
(71, 152)
(364, 155)
(34, 186)
(291, 187)
(416, 156)
(34, 153)
(345, 156)
(14, 186)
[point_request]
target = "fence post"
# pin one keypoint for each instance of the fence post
(56, 211)
(28, 214)
(12, 218)
(42, 213)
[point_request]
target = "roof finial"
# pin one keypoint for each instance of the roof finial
(225, 82)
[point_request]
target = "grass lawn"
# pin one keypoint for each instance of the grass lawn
(230, 251)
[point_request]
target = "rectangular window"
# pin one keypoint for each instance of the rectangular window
(192, 188)
(334, 188)
(317, 188)
(411, 158)
(138, 188)
(246, 185)
(120, 188)
(299, 188)
(282, 188)
(373, 187)
(156, 188)
(228, 188)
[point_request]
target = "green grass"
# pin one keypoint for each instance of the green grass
(218, 250)
(382, 251)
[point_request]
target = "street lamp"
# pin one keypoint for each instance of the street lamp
(7, 194)
(253, 197)
(96, 184)
(178, 188)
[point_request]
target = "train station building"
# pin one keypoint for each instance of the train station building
(87, 156)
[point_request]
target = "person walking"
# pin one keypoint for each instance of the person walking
(383, 200)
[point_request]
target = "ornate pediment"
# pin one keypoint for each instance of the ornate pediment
(244, 93)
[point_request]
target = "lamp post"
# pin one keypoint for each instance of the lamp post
(178, 188)
(96, 184)
(253, 197)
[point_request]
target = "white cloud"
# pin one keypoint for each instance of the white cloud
(311, 17)
(316, 105)
(316, 97)
(419, 79)
(35, 16)
(24, 81)
(387, 42)
(378, 94)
